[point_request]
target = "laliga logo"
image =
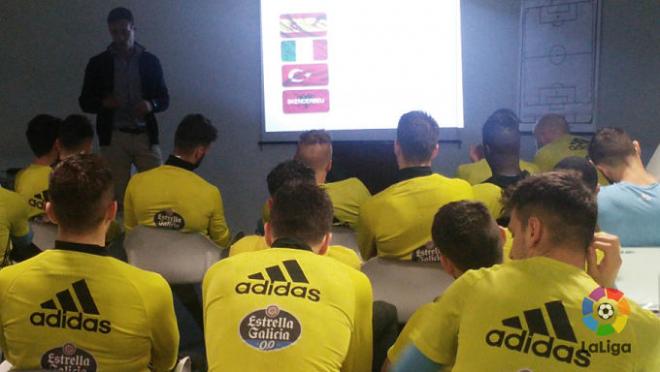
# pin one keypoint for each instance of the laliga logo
(605, 311)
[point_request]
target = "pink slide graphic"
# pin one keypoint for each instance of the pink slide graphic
(304, 75)
(306, 101)
(303, 25)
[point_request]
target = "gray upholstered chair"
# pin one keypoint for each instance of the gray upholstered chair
(345, 237)
(43, 234)
(405, 284)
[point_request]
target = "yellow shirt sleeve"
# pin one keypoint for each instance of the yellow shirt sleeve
(164, 330)
(360, 350)
(250, 243)
(438, 339)
(344, 255)
(218, 230)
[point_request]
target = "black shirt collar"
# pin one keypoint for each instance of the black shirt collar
(506, 181)
(84, 248)
(291, 243)
(413, 172)
(176, 162)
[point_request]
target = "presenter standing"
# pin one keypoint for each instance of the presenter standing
(124, 87)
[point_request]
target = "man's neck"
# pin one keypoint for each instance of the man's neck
(567, 255)
(635, 173)
(504, 165)
(403, 164)
(96, 237)
(46, 160)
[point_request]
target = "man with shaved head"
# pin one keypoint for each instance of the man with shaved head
(315, 151)
(555, 142)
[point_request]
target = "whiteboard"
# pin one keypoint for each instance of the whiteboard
(559, 61)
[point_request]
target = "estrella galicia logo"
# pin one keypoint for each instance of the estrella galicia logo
(169, 219)
(274, 283)
(68, 315)
(578, 144)
(270, 329)
(39, 200)
(605, 311)
(426, 253)
(68, 358)
(536, 338)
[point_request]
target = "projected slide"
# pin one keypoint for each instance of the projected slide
(359, 65)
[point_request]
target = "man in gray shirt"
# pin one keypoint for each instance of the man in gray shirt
(124, 86)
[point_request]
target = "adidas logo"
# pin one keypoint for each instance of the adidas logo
(67, 305)
(536, 339)
(274, 275)
(39, 200)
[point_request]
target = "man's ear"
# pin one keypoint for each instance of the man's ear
(325, 243)
(397, 148)
(268, 234)
(328, 167)
(534, 231)
(449, 267)
(502, 231)
(270, 203)
(111, 211)
(637, 147)
(51, 213)
(436, 151)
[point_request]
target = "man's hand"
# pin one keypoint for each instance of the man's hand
(110, 102)
(605, 272)
(476, 153)
(141, 109)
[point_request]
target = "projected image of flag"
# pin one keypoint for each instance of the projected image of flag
(304, 75)
(303, 50)
(303, 25)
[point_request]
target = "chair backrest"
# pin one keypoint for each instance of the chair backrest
(179, 257)
(345, 237)
(43, 234)
(405, 284)
(653, 166)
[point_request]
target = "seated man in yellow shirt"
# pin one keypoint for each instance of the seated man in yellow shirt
(555, 142)
(75, 308)
(75, 136)
(287, 307)
(287, 173)
(396, 223)
(502, 165)
(172, 196)
(542, 311)
(32, 182)
(315, 151)
(468, 239)
(14, 227)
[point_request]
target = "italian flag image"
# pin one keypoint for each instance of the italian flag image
(304, 50)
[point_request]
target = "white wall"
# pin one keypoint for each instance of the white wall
(210, 54)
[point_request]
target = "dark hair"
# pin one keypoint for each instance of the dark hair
(314, 137)
(118, 14)
(74, 131)
(501, 133)
(561, 201)
(417, 134)
(465, 233)
(41, 133)
(302, 211)
(610, 146)
(289, 172)
(80, 191)
(194, 130)
(583, 167)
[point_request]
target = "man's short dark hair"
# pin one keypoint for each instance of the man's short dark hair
(41, 133)
(561, 201)
(290, 172)
(465, 233)
(611, 146)
(194, 130)
(314, 137)
(303, 212)
(584, 169)
(74, 131)
(501, 132)
(119, 14)
(417, 134)
(80, 191)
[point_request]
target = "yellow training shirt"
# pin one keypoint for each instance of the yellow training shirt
(32, 184)
(73, 309)
(288, 310)
(13, 218)
(548, 156)
(537, 314)
(253, 243)
(417, 320)
(491, 196)
(397, 221)
(347, 196)
(175, 198)
(480, 171)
